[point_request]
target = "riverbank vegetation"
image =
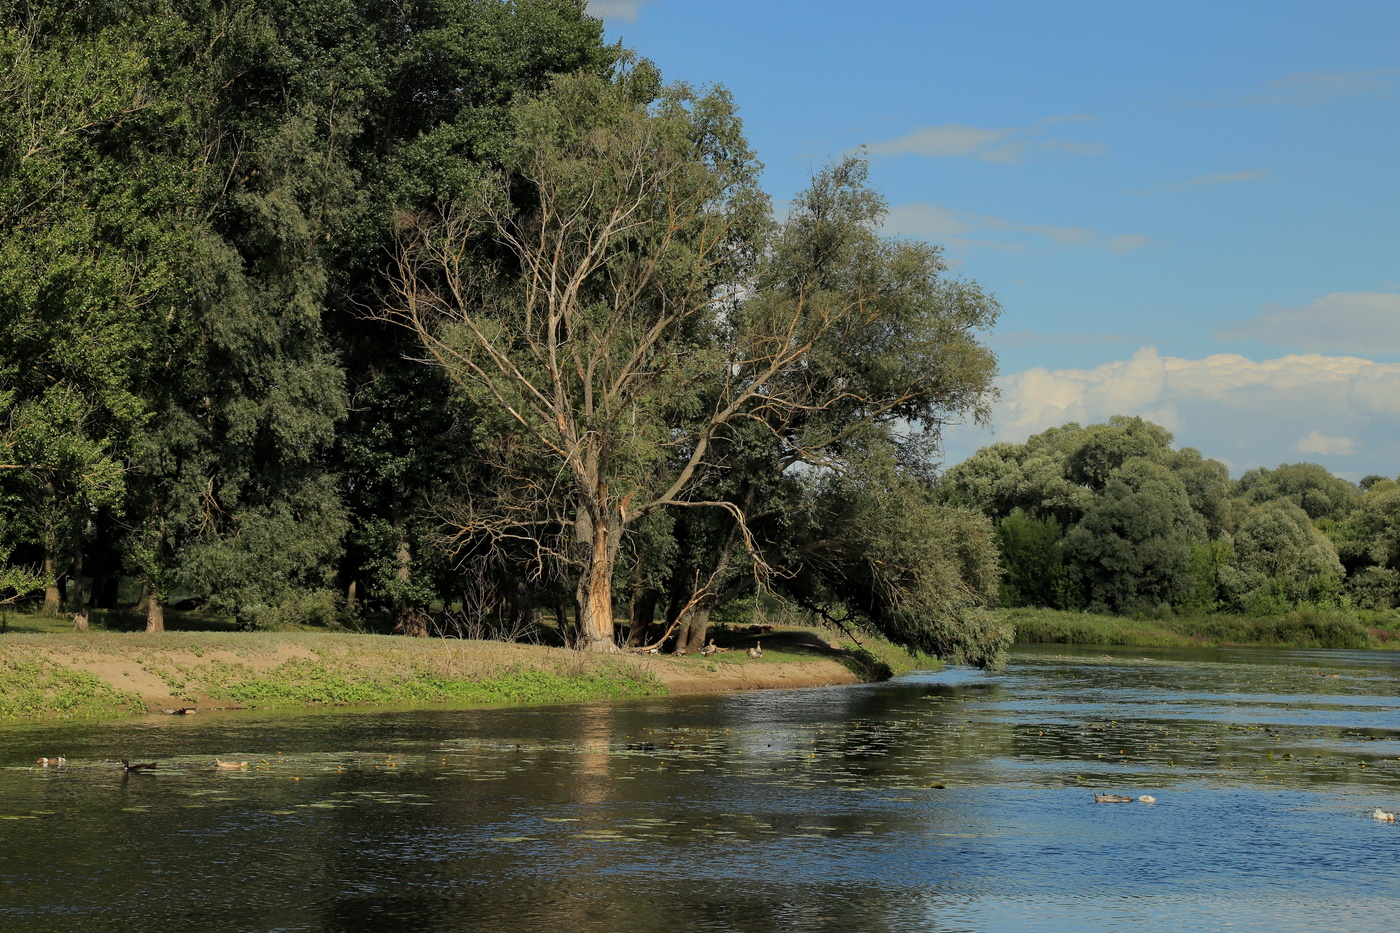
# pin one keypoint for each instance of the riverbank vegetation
(50, 674)
(1111, 519)
(451, 318)
(450, 315)
(1303, 628)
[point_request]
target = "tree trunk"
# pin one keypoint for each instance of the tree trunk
(594, 591)
(52, 599)
(643, 617)
(561, 618)
(77, 598)
(690, 634)
(405, 560)
(155, 610)
(352, 591)
(409, 621)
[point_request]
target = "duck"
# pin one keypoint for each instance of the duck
(128, 766)
(1147, 798)
(229, 765)
(52, 762)
(1383, 816)
(709, 650)
(757, 650)
(1112, 798)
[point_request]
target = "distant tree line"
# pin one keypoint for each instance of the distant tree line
(317, 308)
(1111, 517)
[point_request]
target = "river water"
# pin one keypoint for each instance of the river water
(943, 801)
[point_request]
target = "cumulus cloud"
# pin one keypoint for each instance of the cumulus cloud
(946, 225)
(1342, 322)
(1337, 409)
(1006, 145)
(1318, 443)
(617, 9)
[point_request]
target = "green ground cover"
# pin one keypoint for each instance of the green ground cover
(1303, 628)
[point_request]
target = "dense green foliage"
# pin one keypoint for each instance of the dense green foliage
(1111, 518)
(1299, 628)
(335, 310)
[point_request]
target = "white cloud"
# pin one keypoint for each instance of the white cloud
(948, 140)
(1126, 242)
(1342, 322)
(1314, 88)
(1245, 412)
(1007, 145)
(944, 224)
(1206, 181)
(1310, 89)
(1318, 443)
(629, 10)
(931, 221)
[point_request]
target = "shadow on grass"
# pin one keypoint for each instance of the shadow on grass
(804, 642)
(117, 620)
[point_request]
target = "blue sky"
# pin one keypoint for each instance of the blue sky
(1188, 211)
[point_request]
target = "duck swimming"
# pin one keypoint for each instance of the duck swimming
(1112, 798)
(128, 766)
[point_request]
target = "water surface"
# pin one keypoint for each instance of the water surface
(948, 801)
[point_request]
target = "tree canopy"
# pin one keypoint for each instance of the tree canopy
(1112, 517)
(314, 308)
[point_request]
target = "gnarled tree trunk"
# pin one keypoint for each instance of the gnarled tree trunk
(155, 611)
(690, 633)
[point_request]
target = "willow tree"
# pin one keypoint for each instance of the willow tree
(579, 296)
(618, 301)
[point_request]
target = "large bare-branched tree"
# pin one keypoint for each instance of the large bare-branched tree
(618, 299)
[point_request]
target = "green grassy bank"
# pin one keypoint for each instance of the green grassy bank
(50, 672)
(102, 675)
(1304, 628)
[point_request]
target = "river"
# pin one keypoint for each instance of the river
(941, 801)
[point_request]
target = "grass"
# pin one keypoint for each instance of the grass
(36, 688)
(296, 669)
(117, 620)
(200, 661)
(361, 678)
(872, 659)
(1303, 628)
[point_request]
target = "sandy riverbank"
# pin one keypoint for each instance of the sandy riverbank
(110, 674)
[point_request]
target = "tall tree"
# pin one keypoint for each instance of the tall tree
(1133, 547)
(1281, 560)
(89, 255)
(645, 316)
